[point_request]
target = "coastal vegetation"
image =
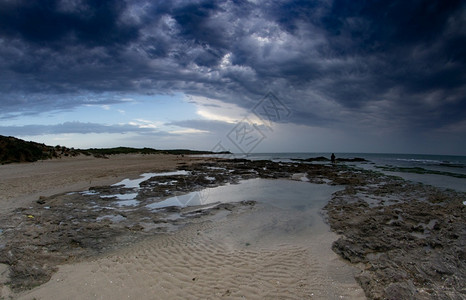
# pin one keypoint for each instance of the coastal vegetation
(14, 150)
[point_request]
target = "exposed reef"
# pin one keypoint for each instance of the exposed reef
(408, 239)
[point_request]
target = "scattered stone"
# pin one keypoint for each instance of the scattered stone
(41, 200)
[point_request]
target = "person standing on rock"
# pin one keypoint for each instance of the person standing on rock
(332, 158)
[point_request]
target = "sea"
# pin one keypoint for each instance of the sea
(443, 171)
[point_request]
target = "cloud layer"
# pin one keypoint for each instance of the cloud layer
(395, 66)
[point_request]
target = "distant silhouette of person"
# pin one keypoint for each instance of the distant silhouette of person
(332, 158)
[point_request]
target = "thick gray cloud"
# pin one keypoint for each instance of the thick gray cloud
(382, 64)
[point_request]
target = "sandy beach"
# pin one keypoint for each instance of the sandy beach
(206, 259)
(199, 228)
(232, 149)
(26, 182)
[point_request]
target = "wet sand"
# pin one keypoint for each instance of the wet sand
(231, 253)
(211, 261)
(396, 239)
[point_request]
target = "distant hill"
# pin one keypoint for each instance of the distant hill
(127, 150)
(16, 150)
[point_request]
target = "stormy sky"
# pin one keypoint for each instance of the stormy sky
(245, 76)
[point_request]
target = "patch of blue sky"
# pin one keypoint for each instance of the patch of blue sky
(127, 109)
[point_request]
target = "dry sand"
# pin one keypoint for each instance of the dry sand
(26, 182)
(208, 260)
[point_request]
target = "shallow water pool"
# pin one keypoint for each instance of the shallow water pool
(281, 193)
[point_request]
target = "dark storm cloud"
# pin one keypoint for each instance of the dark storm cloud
(401, 51)
(54, 23)
(331, 62)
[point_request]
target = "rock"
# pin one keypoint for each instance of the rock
(349, 250)
(400, 290)
(4, 274)
(356, 159)
(136, 227)
(319, 158)
(41, 200)
(410, 248)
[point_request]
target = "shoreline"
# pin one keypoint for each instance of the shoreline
(408, 239)
(22, 183)
(367, 196)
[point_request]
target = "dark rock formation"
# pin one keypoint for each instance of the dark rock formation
(409, 239)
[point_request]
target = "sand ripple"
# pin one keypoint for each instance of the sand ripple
(203, 262)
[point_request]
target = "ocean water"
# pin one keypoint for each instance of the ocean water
(444, 171)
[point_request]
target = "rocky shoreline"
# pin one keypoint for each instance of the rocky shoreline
(408, 239)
